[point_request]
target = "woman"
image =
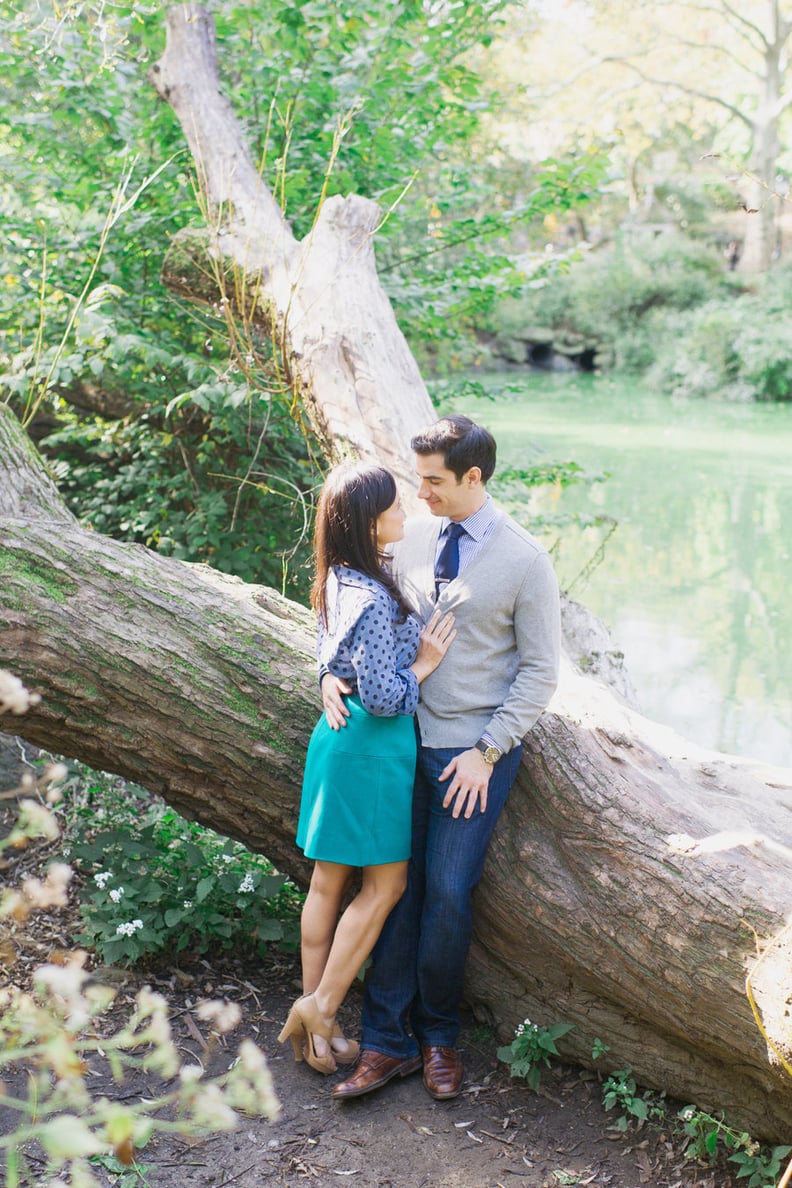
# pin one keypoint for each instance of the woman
(357, 789)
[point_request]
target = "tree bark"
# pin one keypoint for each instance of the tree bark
(632, 875)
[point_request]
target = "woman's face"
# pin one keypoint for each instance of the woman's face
(390, 525)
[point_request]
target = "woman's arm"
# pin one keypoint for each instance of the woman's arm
(384, 689)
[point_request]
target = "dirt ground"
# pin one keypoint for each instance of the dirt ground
(497, 1134)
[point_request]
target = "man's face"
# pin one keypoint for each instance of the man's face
(445, 494)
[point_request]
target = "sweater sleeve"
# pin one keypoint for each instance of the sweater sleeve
(384, 689)
(537, 628)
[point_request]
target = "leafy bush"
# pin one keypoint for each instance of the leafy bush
(196, 485)
(618, 297)
(735, 350)
(152, 881)
(699, 358)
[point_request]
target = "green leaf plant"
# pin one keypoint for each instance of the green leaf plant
(531, 1050)
(150, 881)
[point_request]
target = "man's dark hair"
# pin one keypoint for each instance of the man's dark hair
(462, 443)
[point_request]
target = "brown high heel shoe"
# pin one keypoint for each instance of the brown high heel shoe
(303, 1023)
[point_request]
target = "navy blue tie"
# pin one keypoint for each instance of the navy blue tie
(447, 563)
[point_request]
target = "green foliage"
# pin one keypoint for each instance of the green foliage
(617, 298)
(599, 1048)
(531, 1050)
(399, 70)
(512, 484)
(733, 350)
(122, 1175)
(706, 1135)
(759, 1167)
(449, 291)
(203, 483)
(57, 1037)
(620, 1092)
(153, 881)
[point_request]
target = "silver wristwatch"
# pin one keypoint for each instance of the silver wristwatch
(491, 753)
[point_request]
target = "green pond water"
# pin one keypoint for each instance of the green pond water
(694, 583)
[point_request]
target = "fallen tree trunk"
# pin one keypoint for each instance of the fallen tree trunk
(595, 906)
(613, 898)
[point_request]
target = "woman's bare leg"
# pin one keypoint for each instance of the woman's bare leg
(319, 919)
(322, 907)
(357, 932)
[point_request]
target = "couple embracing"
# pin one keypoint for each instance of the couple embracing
(438, 646)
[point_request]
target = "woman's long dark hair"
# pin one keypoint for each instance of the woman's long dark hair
(354, 495)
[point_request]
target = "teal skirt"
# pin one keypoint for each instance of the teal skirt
(356, 805)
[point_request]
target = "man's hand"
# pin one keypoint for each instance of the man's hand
(333, 690)
(470, 783)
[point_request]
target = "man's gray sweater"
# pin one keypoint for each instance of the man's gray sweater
(502, 669)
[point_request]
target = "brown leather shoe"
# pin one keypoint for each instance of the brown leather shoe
(372, 1070)
(442, 1072)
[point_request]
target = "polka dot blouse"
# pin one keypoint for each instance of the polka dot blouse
(365, 644)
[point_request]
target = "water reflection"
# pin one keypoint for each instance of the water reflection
(696, 579)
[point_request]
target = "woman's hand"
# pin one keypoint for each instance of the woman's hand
(436, 638)
(333, 690)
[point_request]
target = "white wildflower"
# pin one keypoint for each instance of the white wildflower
(251, 1057)
(188, 904)
(66, 981)
(129, 929)
(37, 821)
(247, 884)
(208, 1108)
(227, 857)
(14, 697)
(224, 1016)
(68, 1137)
(102, 878)
(53, 774)
(52, 892)
(67, 986)
(116, 894)
(149, 1001)
(13, 903)
(249, 1086)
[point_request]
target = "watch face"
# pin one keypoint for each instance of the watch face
(491, 754)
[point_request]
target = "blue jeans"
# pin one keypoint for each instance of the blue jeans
(418, 964)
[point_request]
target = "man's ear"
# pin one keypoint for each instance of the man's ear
(472, 477)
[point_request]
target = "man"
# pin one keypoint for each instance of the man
(475, 709)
